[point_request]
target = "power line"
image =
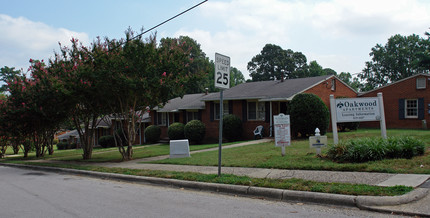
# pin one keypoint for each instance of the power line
(183, 12)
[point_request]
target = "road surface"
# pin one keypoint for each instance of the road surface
(27, 193)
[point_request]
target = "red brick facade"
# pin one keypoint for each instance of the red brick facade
(394, 97)
(238, 108)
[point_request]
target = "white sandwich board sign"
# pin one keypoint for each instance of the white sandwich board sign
(282, 131)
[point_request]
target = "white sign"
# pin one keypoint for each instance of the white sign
(179, 148)
(282, 130)
(318, 141)
(357, 109)
(222, 71)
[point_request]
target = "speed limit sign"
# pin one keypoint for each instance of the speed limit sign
(222, 71)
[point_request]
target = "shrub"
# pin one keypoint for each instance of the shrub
(107, 141)
(152, 133)
(55, 141)
(62, 145)
(232, 127)
(371, 149)
(176, 131)
(308, 112)
(70, 146)
(195, 131)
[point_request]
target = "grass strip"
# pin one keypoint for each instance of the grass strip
(289, 184)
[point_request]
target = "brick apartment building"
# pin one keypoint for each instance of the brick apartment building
(255, 103)
(406, 103)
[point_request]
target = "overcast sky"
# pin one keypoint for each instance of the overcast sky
(338, 34)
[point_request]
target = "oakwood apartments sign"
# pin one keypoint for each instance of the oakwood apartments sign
(357, 109)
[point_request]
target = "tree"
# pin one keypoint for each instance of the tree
(270, 64)
(7, 74)
(140, 76)
(315, 69)
(86, 93)
(352, 82)
(236, 77)
(399, 58)
(275, 63)
(200, 66)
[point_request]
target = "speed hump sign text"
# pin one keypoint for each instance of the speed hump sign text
(222, 71)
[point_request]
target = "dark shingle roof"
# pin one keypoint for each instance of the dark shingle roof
(187, 102)
(268, 90)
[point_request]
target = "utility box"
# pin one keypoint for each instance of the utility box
(179, 148)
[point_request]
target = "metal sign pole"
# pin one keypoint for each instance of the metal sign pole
(220, 131)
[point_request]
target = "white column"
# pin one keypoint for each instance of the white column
(382, 121)
(333, 119)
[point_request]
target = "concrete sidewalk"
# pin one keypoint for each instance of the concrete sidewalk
(415, 203)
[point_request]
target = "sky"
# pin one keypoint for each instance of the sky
(338, 34)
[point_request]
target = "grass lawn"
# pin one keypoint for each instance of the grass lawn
(264, 155)
(300, 156)
(290, 184)
(112, 154)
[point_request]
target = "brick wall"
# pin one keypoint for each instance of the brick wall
(405, 89)
(323, 90)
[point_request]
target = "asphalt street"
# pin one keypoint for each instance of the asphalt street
(28, 193)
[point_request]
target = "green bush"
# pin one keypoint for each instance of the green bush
(71, 146)
(62, 145)
(176, 131)
(232, 127)
(152, 133)
(371, 149)
(195, 131)
(308, 112)
(107, 141)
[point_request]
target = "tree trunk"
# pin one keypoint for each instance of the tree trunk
(88, 151)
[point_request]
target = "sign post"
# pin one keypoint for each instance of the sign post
(282, 131)
(357, 110)
(222, 81)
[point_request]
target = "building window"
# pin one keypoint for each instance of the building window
(224, 108)
(256, 110)
(333, 84)
(421, 83)
(192, 116)
(411, 109)
(161, 119)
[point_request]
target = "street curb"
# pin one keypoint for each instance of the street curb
(362, 202)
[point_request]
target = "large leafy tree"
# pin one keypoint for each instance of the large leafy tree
(275, 63)
(143, 75)
(86, 93)
(400, 57)
(7, 74)
(200, 66)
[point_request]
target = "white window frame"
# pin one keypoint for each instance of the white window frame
(163, 120)
(414, 108)
(216, 110)
(260, 110)
(421, 83)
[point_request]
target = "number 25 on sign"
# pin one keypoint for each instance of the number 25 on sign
(222, 71)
